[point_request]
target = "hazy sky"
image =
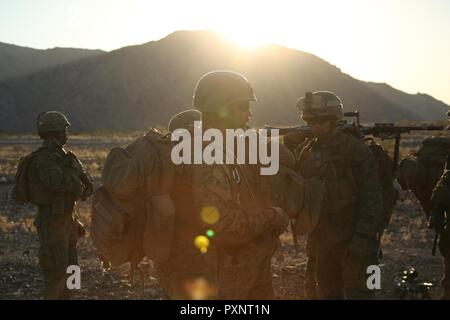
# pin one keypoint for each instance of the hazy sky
(405, 43)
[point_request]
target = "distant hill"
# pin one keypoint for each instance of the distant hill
(16, 61)
(138, 86)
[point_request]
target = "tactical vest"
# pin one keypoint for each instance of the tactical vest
(60, 202)
(334, 165)
(188, 222)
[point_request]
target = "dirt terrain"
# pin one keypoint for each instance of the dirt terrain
(406, 242)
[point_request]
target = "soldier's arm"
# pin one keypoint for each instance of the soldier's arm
(82, 174)
(53, 177)
(234, 225)
(370, 200)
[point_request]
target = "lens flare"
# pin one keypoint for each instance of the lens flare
(210, 215)
(199, 289)
(210, 233)
(202, 243)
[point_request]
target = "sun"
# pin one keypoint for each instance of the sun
(245, 39)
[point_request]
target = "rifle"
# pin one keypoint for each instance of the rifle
(307, 130)
(387, 130)
(390, 131)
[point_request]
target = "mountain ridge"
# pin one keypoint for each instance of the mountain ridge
(138, 86)
(19, 60)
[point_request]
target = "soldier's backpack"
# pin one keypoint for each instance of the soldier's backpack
(434, 150)
(21, 190)
(132, 214)
(386, 176)
(431, 158)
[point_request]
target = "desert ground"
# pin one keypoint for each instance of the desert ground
(406, 242)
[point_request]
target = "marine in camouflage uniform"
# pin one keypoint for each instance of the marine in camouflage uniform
(345, 242)
(439, 221)
(421, 173)
(57, 180)
(177, 279)
(235, 261)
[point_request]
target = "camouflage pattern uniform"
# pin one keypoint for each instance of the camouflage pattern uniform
(184, 274)
(345, 240)
(310, 282)
(55, 177)
(235, 264)
(245, 237)
(423, 172)
(441, 197)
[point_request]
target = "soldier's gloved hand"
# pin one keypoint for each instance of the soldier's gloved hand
(362, 246)
(281, 220)
(437, 218)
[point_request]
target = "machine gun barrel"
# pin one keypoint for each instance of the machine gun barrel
(391, 131)
(284, 130)
(380, 129)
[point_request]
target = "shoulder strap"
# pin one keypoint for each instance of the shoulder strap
(306, 147)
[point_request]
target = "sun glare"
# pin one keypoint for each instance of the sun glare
(244, 39)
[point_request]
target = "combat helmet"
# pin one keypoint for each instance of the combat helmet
(52, 121)
(320, 104)
(217, 90)
(184, 120)
(448, 115)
